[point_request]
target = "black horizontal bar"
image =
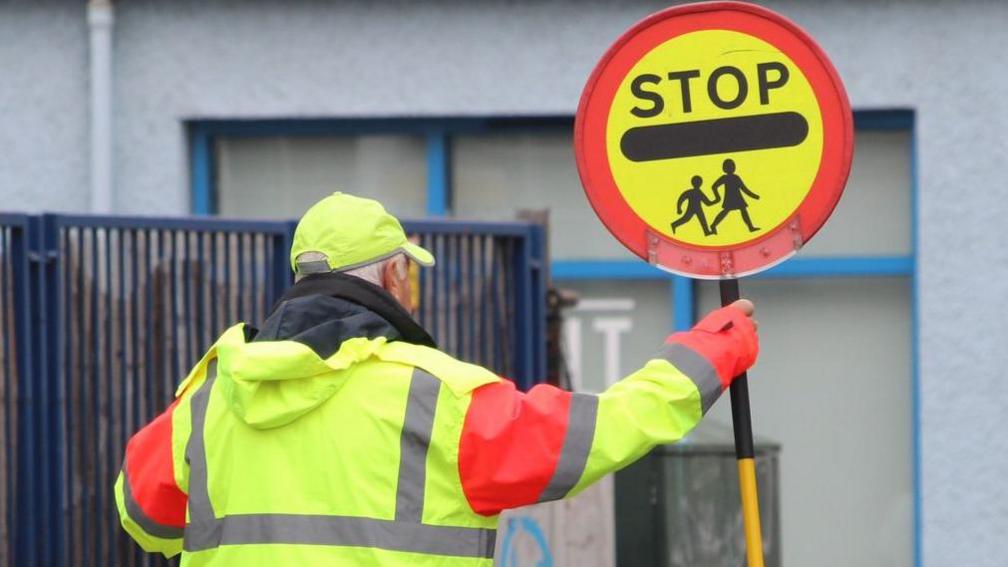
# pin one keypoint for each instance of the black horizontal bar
(716, 136)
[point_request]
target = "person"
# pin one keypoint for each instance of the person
(337, 433)
(694, 199)
(733, 199)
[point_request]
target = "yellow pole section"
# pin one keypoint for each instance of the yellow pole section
(750, 512)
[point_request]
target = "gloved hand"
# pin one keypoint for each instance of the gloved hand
(727, 338)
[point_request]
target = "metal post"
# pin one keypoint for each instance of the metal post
(744, 450)
(26, 529)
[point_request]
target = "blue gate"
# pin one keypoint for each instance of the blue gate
(102, 316)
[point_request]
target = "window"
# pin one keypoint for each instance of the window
(495, 174)
(281, 176)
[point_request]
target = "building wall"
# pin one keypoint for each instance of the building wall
(185, 59)
(43, 106)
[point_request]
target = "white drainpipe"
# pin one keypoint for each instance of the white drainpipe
(100, 18)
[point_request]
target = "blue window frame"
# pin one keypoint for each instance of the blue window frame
(439, 133)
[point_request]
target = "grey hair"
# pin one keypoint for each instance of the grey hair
(368, 272)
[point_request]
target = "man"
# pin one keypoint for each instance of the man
(338, 435)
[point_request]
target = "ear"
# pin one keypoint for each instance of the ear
(389, 279)
(396, 281)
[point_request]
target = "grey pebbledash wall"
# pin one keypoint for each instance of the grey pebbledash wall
(186, 59)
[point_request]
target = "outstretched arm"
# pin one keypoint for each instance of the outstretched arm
(520, 448)
(747, 191)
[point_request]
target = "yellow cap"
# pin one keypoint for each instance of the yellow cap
(347, 232)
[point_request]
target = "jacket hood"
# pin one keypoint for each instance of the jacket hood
(308, 347)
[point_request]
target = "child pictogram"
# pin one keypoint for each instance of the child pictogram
(733, 199)
(694, 199)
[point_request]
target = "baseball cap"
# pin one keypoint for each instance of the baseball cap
(346, 232)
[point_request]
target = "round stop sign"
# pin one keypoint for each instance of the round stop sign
(713, 140)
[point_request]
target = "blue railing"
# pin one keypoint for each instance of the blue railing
(102, 316)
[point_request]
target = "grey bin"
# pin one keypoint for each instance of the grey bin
(679, 505)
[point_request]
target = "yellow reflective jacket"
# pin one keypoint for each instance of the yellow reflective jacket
(338, 435)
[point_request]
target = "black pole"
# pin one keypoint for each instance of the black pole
(741, 418)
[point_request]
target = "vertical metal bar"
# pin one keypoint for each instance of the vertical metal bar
(174, 364)
(136, 345)
(524, 344)
(41, 399)
(497, 281)
(453, 316)
(214, 297)
(150, 370)
(199, 280)
(472, 300)
(48, 349)
(107, 379)
(94, 425)
(486, 334)
(228, 294)
(240, 267)
(162, 350)
(79, 400)
(25, 277)
(67, 354)
(271, 282)
(256, 269)
(187, 300)
(439, 295)
(125, 427)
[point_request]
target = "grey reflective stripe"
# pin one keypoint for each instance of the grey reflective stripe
(313, 267)
(140, 518)
(576, 446)
(414, 440)
(696, 368)
(200, 508)
(349, 531)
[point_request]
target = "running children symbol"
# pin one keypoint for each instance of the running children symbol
(733, 199)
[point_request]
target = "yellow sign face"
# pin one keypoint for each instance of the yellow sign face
(714, 138)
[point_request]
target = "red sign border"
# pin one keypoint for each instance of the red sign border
(774, 245)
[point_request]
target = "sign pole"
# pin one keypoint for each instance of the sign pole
(744, 450)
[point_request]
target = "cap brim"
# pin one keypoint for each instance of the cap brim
(419, 254)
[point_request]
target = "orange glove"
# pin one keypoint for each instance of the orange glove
(726, 338)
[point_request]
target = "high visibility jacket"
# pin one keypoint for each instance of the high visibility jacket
(284, 447)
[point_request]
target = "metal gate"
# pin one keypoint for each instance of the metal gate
(103, 316)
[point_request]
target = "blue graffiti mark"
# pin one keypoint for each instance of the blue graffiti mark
(530, 526)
